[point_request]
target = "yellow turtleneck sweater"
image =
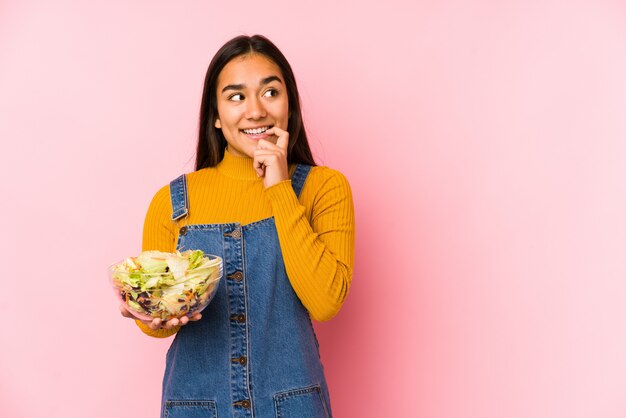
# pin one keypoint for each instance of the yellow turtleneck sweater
(316, 231)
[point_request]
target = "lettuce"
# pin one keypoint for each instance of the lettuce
(163, 285)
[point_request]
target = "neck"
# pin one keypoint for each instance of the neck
(237, 167)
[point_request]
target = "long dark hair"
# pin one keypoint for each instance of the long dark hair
(211, 141)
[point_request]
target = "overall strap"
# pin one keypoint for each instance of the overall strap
(178, 196)
(299, 177)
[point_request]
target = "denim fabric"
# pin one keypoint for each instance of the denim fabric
(178, 197)
(254, 353)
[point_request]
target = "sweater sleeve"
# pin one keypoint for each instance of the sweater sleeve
(158, 228)
(159, 234)
(318, 255)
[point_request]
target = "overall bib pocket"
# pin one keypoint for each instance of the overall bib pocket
(190, 409)
(301, 403)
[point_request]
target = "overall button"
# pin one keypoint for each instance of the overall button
(238, 275)
(245, 404)
(239, 318)
(236, 233)
(183, 230)
(241, 360)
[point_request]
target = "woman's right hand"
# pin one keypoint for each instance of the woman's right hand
(157, 323)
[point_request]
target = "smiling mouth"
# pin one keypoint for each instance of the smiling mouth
(256, 131)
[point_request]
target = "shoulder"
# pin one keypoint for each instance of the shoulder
(195, 177)
(203, 178)
(162, 198)
(323, 176)
(161, 202)
(325, 184)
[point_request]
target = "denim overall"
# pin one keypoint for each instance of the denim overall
(254, 352)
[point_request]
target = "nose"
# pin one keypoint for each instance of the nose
(255, 109)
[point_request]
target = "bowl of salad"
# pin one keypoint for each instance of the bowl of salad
(164, 285)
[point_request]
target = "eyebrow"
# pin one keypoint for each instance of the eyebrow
(264, 81)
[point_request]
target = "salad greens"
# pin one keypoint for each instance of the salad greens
(163, 285)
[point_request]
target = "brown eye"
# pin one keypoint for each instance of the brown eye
(237, 97)
(270, 93)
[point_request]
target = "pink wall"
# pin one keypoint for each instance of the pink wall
(484, 142)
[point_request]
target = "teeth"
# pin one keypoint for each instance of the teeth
(256, 131)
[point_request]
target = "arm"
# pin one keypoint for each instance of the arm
(319, 255)
(158, 234)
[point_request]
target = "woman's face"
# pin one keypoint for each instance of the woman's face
(251, 98)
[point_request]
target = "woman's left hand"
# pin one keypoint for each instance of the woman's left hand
(270, 160)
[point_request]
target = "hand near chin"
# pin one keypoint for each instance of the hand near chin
(270, 160)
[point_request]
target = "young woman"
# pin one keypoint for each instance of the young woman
(285, 230)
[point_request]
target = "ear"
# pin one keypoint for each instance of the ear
(218, 124)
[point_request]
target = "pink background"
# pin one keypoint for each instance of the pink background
(485, 145)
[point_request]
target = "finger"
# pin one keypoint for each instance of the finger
(263, 159)
(264, 144)
(155, 324)
(275, 130)
(283, 137)
(267, 156)
(184, 320)
(125, 312)
(196, 317)
(259, 167)
(283, 141)
(171, 323)
(262, 156)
